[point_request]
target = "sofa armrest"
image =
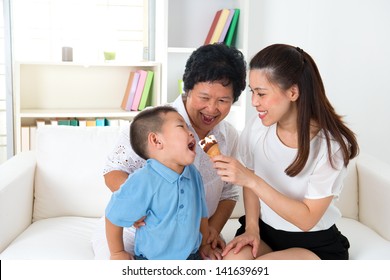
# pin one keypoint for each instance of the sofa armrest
(374, 194)
(16, 196)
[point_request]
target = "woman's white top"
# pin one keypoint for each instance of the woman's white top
(261, 150)
(124, 158)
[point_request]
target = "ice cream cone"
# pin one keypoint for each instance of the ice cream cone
(210, 146)
(214, 150)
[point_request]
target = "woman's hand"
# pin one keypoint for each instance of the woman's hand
(215, 240)
(232, 171)
(246, 239)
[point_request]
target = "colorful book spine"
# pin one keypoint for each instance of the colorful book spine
(227, 25)
(102, 122)
(133, 89)
(146, 94)
(140, 89)
(232, 29)
(212, 27)
(127, 91)
(220, 25)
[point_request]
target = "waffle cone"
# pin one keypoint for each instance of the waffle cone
(214, 151)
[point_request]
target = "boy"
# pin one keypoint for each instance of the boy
(168, 190)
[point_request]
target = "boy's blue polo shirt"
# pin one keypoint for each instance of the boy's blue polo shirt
(173, 205)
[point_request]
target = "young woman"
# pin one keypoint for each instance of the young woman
(295, 152)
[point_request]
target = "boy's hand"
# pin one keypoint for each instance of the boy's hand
(122, 255)
(208, 253)
(139, 223)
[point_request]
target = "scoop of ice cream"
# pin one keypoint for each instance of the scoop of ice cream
(210, 146)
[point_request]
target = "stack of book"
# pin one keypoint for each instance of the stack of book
(223, 28)
(138, 91)
(28, 133)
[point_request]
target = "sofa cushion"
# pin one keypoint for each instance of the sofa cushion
(365, 243)
(65, 238)
(348, 199)
(67, 182)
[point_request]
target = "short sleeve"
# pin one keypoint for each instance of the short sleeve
(128, 204)
(327, 180)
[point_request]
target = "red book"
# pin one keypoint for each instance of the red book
(212, 28)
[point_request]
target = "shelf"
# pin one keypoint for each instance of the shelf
(84, 113)
(65, 90)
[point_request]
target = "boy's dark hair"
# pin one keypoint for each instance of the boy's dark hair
(147, 121)
(216, 63)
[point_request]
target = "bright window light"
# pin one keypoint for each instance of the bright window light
(90, 27)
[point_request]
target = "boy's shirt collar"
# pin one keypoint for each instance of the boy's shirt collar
(167, 173)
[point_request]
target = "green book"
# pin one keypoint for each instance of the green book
(232, 29)
(74, 122)
(63, 122)
(146, 93)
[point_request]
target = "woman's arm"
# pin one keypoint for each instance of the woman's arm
(114, 179)
(304, 214)
(206, 251)
(217, 221)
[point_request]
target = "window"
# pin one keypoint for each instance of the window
(42, 27)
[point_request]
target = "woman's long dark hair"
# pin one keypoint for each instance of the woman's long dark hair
(286, 66)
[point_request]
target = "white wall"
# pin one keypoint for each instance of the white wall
(350, 42)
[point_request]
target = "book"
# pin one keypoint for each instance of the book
(132, 91)
(127, 91)
(221, 23)
(33, 135)
(25, 138)
(82, 122)
(139, 90)
(91, 122)
(212, 27)
(63, 122)
(101, 122)
(146, 93)
(232, 29)
(74, 122)
(226, 26)
(40, 122)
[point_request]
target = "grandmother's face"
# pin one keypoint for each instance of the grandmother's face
(207, 105)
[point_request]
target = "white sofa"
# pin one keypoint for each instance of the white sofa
(52, 198)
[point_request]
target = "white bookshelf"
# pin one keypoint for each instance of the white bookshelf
(184, 26)
(71, 90)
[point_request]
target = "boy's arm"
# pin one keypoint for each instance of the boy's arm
(114, 236)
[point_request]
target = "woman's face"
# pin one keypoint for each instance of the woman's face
(271, 102)
(208, 104)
